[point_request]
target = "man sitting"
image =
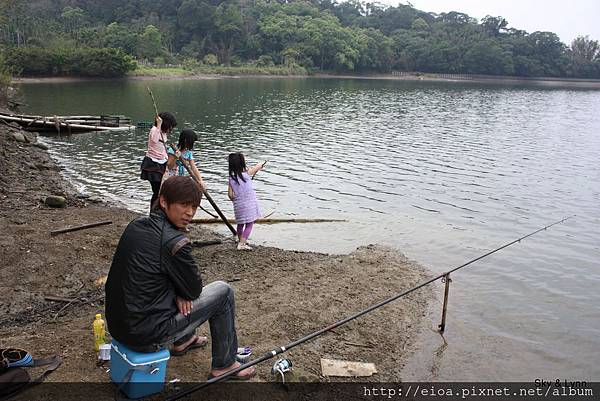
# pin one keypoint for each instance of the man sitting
(154, 293)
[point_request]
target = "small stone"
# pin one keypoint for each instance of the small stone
(29, 138)
(55, 201)
(19, 137)
(40, 145)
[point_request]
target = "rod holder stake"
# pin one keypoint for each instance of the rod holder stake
(445, 279)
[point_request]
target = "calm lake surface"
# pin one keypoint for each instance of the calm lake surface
(443, 172)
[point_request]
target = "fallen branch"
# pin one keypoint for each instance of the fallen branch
(70, 302)
(358, 345)
(57, 299)
(206, 243)
(66, 230)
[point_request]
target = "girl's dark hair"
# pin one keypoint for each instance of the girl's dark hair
(169, 121)
(187, 139)
(237, 165)
(181, 189)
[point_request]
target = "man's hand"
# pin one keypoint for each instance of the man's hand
(184, 306)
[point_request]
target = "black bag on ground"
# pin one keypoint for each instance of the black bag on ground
(13, 378)
(12, 381)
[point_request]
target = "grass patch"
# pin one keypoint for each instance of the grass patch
(180, 71)
(160, 72)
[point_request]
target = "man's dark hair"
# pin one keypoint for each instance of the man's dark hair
(169, 121)
(181, 189)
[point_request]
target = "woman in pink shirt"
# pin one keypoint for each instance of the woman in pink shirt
(155, 160)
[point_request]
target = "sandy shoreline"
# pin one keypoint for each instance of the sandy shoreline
(280, 295)
(565, 83)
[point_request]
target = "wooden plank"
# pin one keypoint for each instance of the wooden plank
(334, 367)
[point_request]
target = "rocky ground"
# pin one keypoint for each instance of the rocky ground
(52, 286)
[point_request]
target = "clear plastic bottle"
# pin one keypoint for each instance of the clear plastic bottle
(99, 332)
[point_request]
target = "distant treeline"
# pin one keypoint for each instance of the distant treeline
(342, 36)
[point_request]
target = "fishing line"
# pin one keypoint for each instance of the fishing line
(332, 326)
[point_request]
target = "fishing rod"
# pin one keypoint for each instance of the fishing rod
(204, 191)
(332, 326)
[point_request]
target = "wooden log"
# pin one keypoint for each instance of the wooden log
(57, 299)
(83, 227)
(269, 221)
(200, 244)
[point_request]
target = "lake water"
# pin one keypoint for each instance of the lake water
(443, 172)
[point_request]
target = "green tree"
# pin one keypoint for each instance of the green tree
(120, 36)
(375, 50)
(420, 27)
(195, 21)
(228, 24)
(550, 52)
(487, 57)
(73, 18)
(150, 43)
(493, 26)
(584, 58)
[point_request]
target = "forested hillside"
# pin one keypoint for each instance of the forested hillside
(79, 37)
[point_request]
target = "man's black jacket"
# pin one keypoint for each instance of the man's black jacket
(152, 264)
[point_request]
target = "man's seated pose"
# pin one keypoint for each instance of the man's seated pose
(154, 293)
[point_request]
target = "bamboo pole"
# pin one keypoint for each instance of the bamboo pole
(270, 221)
(153, 101)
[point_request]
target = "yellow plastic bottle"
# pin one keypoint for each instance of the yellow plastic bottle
(99, 332)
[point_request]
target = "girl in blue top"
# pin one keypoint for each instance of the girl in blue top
(184, 150)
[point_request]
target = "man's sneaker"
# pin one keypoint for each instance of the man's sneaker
(243, 247)
(243, 354)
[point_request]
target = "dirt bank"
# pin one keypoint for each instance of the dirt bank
(280, 295)
(563, 83)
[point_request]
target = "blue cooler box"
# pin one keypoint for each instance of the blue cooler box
(138, 373)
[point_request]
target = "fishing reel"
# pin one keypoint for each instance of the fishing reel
(281, 366)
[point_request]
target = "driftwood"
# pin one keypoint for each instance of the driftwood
(269, 221)
(200, 244)
(91, 225)
(54, 298)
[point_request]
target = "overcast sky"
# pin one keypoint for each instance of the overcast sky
(567, 19)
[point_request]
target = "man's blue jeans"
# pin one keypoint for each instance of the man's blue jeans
(216, 304)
